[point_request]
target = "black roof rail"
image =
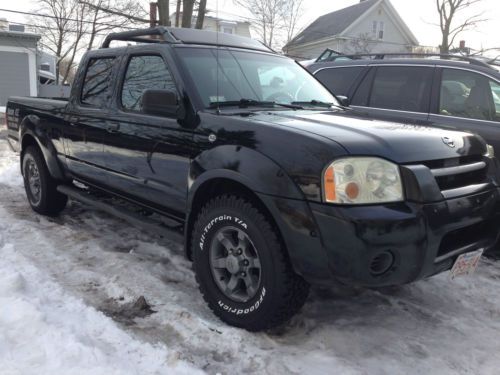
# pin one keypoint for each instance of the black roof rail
(151, 35)
(176, 35)
(382, 56)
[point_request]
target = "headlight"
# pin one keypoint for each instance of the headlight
(362, 180)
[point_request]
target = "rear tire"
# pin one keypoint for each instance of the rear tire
(242, 267)
(41, 188)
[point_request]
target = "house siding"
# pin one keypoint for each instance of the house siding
(14, 80)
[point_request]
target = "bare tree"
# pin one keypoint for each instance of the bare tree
(62, 31)
(164, 12)
(268, 17)
(129, 9)
(177, 13)
(362, 44)
(448, 11)
(187, 13)
(202, 8)
(101, 21)
(291, 14)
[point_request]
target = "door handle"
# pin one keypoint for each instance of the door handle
(112, 127)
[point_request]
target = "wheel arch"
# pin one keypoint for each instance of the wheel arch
(216, 183)
(32, 135)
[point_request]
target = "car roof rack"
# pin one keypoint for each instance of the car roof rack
(151, 35)
(176, 35)
(383, 56)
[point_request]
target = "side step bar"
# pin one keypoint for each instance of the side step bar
(147, 223)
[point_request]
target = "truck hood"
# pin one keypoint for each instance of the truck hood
(401, 143)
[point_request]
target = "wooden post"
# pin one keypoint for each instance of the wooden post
(152, 14)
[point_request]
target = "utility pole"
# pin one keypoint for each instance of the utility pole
(152, 14)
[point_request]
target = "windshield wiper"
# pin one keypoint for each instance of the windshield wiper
(245, 103)
(316, 103)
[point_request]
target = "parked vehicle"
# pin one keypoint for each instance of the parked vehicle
(447, 91)
(272, 184)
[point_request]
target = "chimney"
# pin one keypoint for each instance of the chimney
(462, 45)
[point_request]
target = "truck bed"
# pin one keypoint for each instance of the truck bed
(19, 107)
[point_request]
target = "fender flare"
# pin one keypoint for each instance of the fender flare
(29, 127)
(242, 165)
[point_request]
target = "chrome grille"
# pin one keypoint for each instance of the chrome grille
(459, 176)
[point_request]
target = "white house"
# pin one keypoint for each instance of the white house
(370, 26)
(224, 25)
(18, 63)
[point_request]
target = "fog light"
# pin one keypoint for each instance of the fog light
(381, 263)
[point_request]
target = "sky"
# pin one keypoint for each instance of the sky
(420, 15)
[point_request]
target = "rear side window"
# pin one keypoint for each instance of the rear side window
(402, 88)
(143, 73)
(339, 80)
(96, 88)
(469, 95)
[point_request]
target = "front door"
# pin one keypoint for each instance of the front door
(148, 156)
(86, 124)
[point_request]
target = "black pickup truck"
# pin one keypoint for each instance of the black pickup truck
(272, 184)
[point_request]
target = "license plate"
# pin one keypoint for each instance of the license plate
(466, 264)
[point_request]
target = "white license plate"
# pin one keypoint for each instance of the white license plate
(466, 264)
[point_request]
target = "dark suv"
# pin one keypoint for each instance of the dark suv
(452, 92)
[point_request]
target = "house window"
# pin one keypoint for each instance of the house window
(381, 30)
(228, 30)
(378, 30)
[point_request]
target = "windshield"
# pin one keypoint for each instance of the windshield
(252, 77)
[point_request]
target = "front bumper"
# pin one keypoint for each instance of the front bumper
(343, 243)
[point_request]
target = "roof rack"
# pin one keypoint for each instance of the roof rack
(383, 56)
(176, 35)
(151, 35)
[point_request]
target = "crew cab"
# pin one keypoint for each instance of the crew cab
(272, 184)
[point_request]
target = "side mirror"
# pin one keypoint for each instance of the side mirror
(344, 100)
(160, 103)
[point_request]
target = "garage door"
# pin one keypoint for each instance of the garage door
(14, 75)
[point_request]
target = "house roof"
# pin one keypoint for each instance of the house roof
(333, 23)
(340, 22)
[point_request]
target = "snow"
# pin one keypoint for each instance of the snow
(65, 284)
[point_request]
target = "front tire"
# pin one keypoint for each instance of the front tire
(242, 267)
(41, 188)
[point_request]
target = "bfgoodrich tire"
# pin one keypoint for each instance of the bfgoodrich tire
(39, 185)
(241, 266)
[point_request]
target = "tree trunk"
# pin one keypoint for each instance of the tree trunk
(178, 13)
(201, 14)
(187, 13)
(164, 12)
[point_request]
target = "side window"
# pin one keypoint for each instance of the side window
(143, 73)
(96, 88)
(402, 88)
(339, 80)
(470, 95)
(362, 94)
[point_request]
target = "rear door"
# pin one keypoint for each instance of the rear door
(341, 80)
(86, 119)
(147, 155)
(399, 93)
(468, 101)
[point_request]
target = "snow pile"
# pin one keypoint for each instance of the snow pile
(43, 330)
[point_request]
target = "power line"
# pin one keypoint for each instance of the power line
(64, 18)
(50, 28)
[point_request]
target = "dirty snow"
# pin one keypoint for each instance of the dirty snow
(65, 285)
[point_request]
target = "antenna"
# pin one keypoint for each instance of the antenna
(217, 55)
